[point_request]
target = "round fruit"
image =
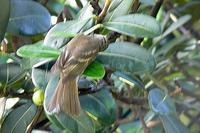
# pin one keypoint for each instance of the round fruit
(38, 97)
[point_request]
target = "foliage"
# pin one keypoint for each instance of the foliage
(147, 80)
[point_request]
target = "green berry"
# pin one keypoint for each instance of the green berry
(38, 97)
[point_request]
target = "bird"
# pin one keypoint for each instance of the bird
(71, 63)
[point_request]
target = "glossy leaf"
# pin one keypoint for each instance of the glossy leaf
(85, 13)
(11, 73)
(37, 51)
(19, 119)
(161, 103)
(122, 9)
(79, 124)
(28, 17)
(129, 79)
(95, 70)
(129, 57)
(4, 13)
(64, 29)
(40, 77)
(136, 25)
(100, 105)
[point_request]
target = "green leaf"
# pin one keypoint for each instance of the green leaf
(79, 124)
(114, 4)
(37, 50)
(172, 124)
(19, 119)
(95, 70)
(101, 105)
(86, 12)
(28, 17)
(161, 103)
(135, 25)
(129, 57)
(129, 79)
(176, 25)
(11, 73)
(63, 29)
(40, 77)
(122, 9)
(4, 13)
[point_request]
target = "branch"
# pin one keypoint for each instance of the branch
(156, 8)
(104, 11)
(135, 101)
(95, 5)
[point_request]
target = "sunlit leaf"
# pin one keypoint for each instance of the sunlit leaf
(125, 56)
(38, 51)
(136, 25)
(95, 70)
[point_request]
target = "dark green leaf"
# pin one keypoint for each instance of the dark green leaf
(129, 79)
(95, 70)
(38, 51)
(19, 119)
(4, 13)
(136, 25)
(79, 124)
(28, 17)
(100, 105)
(128, 57)
(11, 73)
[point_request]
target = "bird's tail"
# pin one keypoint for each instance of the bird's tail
(66, 98)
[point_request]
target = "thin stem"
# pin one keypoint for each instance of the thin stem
(104, 11)
(93, 29)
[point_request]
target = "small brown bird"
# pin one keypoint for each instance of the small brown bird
(72, 62)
